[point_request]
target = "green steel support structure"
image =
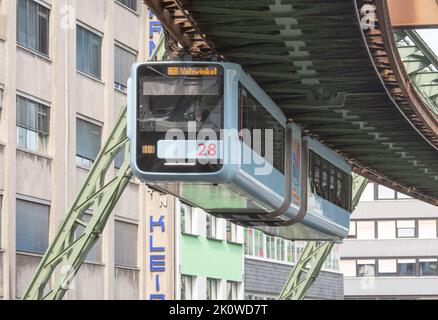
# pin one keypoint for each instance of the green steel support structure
(314, 255)
(76, 236)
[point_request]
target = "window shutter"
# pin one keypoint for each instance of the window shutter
(32, 227)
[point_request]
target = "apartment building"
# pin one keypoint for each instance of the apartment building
(64, 66)
(210, 256)
(392, 249)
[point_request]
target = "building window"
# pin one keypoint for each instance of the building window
(348, 268)
(386, 230)
(186, 214)
(131, 4)
(249, 241)
(88, 52)
(428, 267)
(33, 26)
(427, 229)
(270, 247)
(95, 254)
(119, 158)
(32, 227)
(352, 232)
(384, 193)
(366, 268)
(124, 60)
(230, 228)
(232, 290)
(259, 246)
(290, 251)
(402, 196)
(211, 226)
(211, 289)
(365, 230)
(186, 287)
(387, 267)
(406, 229)
(280, 249)
(368, 193)
(125, 244)
(32, 125)
(406, 267)
(88, 137)
(300, 246)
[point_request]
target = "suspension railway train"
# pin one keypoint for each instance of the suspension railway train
(208, 134)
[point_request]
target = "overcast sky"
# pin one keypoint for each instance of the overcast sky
(431, 38)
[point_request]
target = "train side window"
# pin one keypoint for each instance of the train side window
(312, 173)
(325, 185)
(347, 191)
(254, 117)
(329, 182)
(332, 185)
(317, 181)
(339, 189)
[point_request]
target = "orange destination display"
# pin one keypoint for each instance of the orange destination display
(192, 71)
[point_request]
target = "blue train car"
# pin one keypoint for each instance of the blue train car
(208, 134)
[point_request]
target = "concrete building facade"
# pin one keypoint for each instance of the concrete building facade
(63, 71)
(392, 248)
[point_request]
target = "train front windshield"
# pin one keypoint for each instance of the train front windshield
(176, 104)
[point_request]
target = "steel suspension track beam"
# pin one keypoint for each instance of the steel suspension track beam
(76, 236)
(314, 255)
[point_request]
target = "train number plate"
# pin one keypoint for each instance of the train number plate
(189, 149)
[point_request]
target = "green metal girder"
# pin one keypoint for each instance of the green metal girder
(70, 247)
(422, 78)
(407, 51)
(418, 60)
(431, 90)
(306, 270)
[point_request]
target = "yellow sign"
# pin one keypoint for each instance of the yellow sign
(192, 71)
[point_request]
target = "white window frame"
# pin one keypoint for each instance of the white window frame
(367, 236)
(404, 227)
(117, 85)
(424, 231)
(39, 138)
(188, 282)
(214, 289)
(80, 161)
(98, 34)
(213, 227)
